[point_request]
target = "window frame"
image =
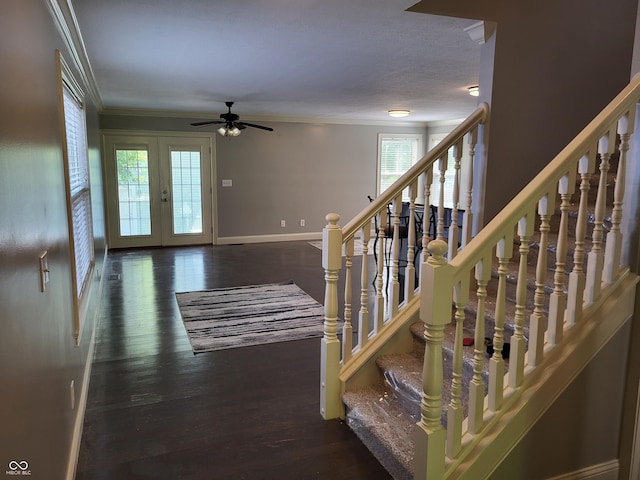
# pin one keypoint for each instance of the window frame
(419, 137)
(77, 190)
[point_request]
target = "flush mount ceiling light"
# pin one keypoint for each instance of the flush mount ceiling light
(399, 113)
(474, 91)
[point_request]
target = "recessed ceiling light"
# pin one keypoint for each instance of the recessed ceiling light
(399, 113)
(474, 91)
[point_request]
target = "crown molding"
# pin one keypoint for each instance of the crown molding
(481, 31)
(265, 118)
(66, 22)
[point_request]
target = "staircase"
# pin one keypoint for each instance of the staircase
(411, 372)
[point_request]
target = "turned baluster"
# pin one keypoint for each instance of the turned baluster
(455, 413)
(394, 298)
(382, 259)
(518, 341)
(410, 270)
(504, 251)
(538, 320)
(347, 329)
(614, 237)
(363, 318)
(476, 386)
(454, 233)
(443, 172)
(426, 218)
(435, 312)
(467, 219)
(595, 259)
(557, 300)
(330, 403)
(575, 292)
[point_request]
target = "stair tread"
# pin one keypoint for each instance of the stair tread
(468, 327)
(383, 416)
(402, 374)
(385, 427)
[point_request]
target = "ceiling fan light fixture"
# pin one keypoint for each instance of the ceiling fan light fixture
(474, 90)
(399, 113)
(229, 132)
(231, 126)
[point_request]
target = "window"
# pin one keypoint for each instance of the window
(450, 175)
(397, 153)
(76, 163)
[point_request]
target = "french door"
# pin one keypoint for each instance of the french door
(158, 190)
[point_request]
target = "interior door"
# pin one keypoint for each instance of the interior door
(158, 190)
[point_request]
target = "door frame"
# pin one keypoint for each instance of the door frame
(132, 135)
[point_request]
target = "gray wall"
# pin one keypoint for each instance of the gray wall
(581, 429)
(38, 357)
(298, 171)
(549, 69)
(566, 59)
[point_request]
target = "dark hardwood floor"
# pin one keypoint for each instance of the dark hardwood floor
(157, 411)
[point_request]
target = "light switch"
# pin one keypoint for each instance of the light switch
(227, 183)
(44, 270)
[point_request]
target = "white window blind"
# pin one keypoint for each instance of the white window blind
(76, 143)
(79, 186)
(396, 154)
(83, 241)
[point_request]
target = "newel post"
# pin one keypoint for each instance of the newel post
(330, 348)
(435, 312)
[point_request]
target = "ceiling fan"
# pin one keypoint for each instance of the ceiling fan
(231, 124)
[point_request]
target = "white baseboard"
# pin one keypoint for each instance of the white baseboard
(81, 406)
(285, 237)
(603, 471)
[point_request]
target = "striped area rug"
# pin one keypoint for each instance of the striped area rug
(249, 315)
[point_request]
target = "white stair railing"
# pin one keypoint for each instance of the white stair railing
(388, 286)
(526, 230)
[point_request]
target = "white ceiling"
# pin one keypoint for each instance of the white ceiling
(334, 59)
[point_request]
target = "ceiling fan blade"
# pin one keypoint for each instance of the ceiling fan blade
(256, 126)
(209, 122)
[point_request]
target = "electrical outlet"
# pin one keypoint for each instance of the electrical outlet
(302, 222)
(283, 223)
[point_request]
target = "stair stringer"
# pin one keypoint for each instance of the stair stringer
(523, 407)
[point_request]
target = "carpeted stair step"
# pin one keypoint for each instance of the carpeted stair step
(385, 427)
(402, 377)
(384, 416)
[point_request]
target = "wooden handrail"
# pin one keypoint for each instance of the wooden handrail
(550, 175)
(479, 116)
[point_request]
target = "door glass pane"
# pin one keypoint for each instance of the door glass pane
(186, 192)
(134, 206)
